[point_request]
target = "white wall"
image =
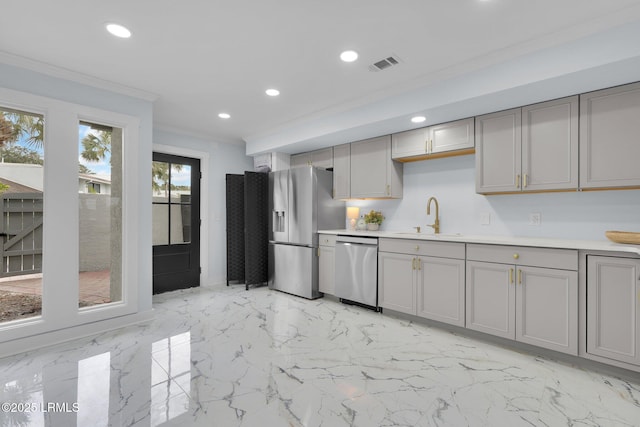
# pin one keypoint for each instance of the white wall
(573, 215)
(223, 159)
(64, 103)
(23, 173)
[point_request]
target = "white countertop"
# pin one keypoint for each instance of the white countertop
(593, 245)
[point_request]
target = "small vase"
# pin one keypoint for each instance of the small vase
(372, 226)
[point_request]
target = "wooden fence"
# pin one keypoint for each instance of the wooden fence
(21, 232)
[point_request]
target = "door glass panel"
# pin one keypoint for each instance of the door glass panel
(160, 199)
(180, 182)
(21, 214)
(100, 214)
(171, 209)
(180, 224)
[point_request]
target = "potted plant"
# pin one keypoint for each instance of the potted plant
(373, 220)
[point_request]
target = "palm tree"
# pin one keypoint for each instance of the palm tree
(14, 125)
(95, 147)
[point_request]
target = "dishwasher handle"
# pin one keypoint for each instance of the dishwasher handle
(370, 241)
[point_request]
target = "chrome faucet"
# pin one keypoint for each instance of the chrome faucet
(435, 225)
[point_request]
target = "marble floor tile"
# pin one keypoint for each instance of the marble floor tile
(224, 356)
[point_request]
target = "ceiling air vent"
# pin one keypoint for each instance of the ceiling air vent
(388, 62)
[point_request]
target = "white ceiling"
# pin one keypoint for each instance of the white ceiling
(203, 57)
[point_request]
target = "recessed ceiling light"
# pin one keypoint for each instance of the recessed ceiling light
(224, 115)
(418, 119)
(272, 92)
(349, 55)
(119, 31)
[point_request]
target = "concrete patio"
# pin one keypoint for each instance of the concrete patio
(94, 286)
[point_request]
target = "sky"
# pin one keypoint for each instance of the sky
(102, 168)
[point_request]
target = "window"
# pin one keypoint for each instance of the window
(100, 214)
(93, 188)
(21, 211)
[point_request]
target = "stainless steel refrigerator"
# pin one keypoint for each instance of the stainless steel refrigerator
(300, 204)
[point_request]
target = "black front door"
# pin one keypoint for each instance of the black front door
(176, 222)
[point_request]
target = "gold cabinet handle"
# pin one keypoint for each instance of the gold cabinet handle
(430, 146)
(516, 256)
(511, 275)
(426, 146)
(525, 181)
(417, 248)
(517, 181)
(413, 264)
(519, 276)
(419, 263)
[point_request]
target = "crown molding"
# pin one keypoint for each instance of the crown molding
(74, 76)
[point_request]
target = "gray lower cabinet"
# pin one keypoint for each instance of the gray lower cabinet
(326, 263)
(441, 285)
(609, 144)
(526, 294)
(533, 148)
(373, 173)
(397, 282)
(613, 308)
(422, 278)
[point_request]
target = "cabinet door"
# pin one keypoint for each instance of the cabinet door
(298, 160)
(342, 171)
(613, 300)
(371, 168)
(396, 282)
(326, 269)
(322, 158)
(440, 285)
(547, 308)
(609, 144)
(498, 152)
(452, 136)
(490, 299)
(550, 145)
(410, 143)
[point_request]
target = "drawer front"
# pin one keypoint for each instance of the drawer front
(564, 259)
(423, 247)
(327, 239)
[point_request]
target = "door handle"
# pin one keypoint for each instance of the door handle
(511, 275)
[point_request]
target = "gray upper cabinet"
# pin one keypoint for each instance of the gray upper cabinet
(610, 137)
(498, 152)
(409, 144)
(453, 137)
(613, 308)
(533, 148)
(373, 173)
(319, 158)
(342, 171)
(298, 160)
(550, 145)
(447, 139)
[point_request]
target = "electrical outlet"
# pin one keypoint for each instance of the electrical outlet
(485, 218)
(535, 218)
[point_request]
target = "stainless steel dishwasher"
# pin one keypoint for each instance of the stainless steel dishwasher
(357, 270)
